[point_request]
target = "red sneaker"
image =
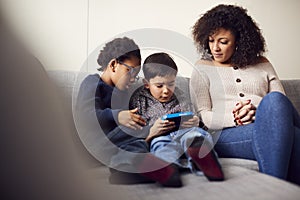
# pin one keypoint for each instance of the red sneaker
(166, 174)
(205, 159)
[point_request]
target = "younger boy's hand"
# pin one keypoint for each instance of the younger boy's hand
(193, 122)
(160, 127)
(130, 119)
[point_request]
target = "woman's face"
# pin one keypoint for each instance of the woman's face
(222, 46)
(126, 72)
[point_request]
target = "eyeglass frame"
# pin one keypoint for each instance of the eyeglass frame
(131, 70)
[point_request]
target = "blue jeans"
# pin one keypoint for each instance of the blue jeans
(273, 140)
(173, 147)
(122, 155)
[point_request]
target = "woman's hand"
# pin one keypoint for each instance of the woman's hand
(244, 112)
(160, 127)
(193, 122)
(130, 119)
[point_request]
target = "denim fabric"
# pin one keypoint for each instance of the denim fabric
(127, 146)
(172, 147)
(273, 139)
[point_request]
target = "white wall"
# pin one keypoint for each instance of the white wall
(62, 33)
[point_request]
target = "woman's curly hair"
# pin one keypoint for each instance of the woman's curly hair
(250, 44)
(120, 49)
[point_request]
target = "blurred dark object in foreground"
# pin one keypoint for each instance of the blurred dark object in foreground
(39, 158)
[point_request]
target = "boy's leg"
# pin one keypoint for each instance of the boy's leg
(121, 163)
(133, 159)
(166, 148)
(199, 146)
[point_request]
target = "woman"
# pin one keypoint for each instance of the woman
(236, 90)
(102, 101)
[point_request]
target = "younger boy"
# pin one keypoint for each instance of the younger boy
(159, 96)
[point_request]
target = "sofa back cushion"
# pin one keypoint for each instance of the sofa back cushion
(292, 90)
(65, 81)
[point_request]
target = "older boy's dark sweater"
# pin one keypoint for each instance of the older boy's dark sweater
(95, 97)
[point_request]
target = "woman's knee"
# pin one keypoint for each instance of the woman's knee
(275, 109)
(275, 100)
(275, 96)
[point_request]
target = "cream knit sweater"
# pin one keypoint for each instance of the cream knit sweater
(216, 90)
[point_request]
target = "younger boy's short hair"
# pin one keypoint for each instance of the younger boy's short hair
(159, 64)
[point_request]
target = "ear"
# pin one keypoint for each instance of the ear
(112, 64)
(146, 83)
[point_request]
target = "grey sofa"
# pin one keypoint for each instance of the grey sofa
(243, 181)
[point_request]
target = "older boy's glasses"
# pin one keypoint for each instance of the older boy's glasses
(133, 71)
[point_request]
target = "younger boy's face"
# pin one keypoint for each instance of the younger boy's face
(161, 88)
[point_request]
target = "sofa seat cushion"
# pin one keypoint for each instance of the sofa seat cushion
(248, 164)
(240, 183)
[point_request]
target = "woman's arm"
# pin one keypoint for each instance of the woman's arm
(244, 111)
(213, 117)
(274, 82)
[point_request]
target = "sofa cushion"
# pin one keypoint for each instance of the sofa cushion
(240, 183)
(292, 90)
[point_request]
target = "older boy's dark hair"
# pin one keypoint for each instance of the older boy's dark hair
(159, 64)
(120, 49)
(250, 44)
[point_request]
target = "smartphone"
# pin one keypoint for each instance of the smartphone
(178, 118)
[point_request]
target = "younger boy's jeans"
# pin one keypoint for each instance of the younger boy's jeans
(173, 147)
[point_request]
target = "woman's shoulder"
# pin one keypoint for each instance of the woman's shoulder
(204, 66)
(266, 66)
(263, 59)
(262, 63)
(204, 62)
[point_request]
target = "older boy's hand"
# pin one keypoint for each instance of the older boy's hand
(130, 119)
(193, 122)
(159, 128)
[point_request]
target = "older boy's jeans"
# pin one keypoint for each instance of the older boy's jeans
(273, 139)
(121, 152)
(173, 146)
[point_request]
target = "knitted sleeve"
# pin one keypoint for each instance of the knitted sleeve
(274, 82)
(214, 117)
